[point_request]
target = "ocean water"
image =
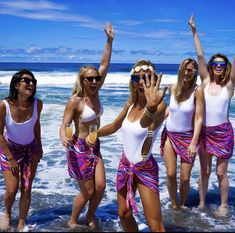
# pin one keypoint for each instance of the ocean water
(53, 190)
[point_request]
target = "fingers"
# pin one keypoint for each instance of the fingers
(159, 79)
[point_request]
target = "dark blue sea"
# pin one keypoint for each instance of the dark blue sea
(53, 190)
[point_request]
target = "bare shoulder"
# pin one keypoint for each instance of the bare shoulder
(40, 104)
(2, 106)
(75, 103)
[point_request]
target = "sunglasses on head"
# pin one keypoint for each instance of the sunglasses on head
(217, 63)
(136, 78)
(27, 81)
(91, 78)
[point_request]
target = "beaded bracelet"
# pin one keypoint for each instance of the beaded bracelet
(150, 133)
(148, 113)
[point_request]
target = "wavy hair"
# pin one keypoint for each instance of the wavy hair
(13, 92)
(78, 86)
(226, 75)
(178, 91)
(133, 91)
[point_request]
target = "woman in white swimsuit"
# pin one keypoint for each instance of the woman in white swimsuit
(218, 81)
(85, 164)
(138, 170)
(20, 144)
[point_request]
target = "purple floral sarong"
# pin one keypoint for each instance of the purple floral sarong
(81, 160)
(180, 142)
(23, 154)
(146, 171)
(218, 140)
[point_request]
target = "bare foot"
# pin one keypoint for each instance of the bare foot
(91, 223)
(222, 211)
(183, 207)
(174, 206)
(5, 222)
(73, 225)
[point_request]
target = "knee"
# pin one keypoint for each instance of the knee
(171, 176)
(205, 173)
(11, 193)
(221, 175)
(124, 213)
(100, 188)
(184, 179)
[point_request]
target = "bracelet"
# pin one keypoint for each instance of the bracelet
(150, 134)
(148, 113)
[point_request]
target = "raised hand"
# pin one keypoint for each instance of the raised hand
(192, 24)
(109, 31)
(152, 91)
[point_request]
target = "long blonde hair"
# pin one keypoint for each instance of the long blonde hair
(133, 91)
(78, 86)
(178, 90)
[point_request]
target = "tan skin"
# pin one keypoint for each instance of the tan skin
(148, 197)
(170, 156)
(21, 111)
(214, 89)
(90, 190)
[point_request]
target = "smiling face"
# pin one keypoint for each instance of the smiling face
(26, 85)
(189, 73)
(90, 80)
(218, 66)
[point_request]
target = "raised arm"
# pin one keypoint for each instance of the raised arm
(203, 72)
(105, 60)
(198, 120)
(232, 74)
(116, 125)
(155, 108)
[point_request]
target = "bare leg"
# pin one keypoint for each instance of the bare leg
(100, 182)
(171, 168)
(79, 202)
(12, 185)
(205, 163)
(185, 172)
(25, 197)
(221, 167)
(126, 215)
(152, 208)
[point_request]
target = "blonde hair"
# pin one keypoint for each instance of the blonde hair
(178, 91)
(226, 75)
(78, 86)
(133, 92)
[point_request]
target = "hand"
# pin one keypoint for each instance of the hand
(192, 150)
(109, 31)
(192, 24)
(88, 142)
(152, 91)
(13, 165)
(67, 142)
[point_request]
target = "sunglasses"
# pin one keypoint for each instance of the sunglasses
(28, 81)
(217, 63)
(91, 78)
(136, 78)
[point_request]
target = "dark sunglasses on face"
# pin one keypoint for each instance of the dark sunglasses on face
(91, 78)
(217, 63)
(136, 78)
(28, 81)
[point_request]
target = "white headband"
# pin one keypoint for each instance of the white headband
(139, 68)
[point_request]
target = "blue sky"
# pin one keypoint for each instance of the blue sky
(72, 30)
